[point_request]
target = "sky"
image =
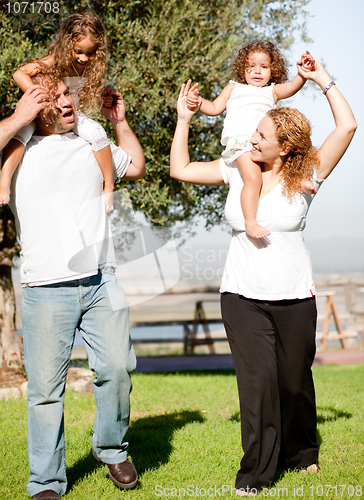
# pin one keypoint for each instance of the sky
(336, 29)
(338, 210)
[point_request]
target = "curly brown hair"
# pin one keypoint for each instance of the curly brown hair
(74, 28)
(279, 72)
(293, 132)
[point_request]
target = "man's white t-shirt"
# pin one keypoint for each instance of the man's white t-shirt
(57, 200)
(277, 267)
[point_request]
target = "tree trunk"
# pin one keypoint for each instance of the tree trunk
(11, 347)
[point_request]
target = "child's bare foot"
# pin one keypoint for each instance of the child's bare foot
(108, 198)
(308, 187)
(4, 195)
(254, 230)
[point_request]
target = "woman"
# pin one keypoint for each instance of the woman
(267, 292)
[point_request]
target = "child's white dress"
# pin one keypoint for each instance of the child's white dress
(245, 108)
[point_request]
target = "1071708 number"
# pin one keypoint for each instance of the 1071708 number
(348, 490)
(32, 7)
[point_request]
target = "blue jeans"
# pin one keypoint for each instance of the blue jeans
(50, 316)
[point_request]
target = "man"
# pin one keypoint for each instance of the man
(69, 282)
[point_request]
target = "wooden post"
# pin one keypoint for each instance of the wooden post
(200, 318)
(331, 308)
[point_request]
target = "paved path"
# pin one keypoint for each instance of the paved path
(225, 362)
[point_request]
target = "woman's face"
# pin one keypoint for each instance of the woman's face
(266, 148)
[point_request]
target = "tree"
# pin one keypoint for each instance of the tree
(155, 45)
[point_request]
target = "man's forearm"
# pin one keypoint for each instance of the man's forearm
(127, 140)
(8, 128)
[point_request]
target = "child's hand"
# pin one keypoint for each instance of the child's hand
(183, 110)
(49, 114)
(107, 97)
(115, 113)
(193, 98)
(108, 199)
(307, 62)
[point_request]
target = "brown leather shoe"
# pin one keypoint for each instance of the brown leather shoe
(47, 495)
(124, 474)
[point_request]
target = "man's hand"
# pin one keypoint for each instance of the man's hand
(116, 112)
(31, 103)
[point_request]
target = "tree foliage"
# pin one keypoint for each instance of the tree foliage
(155, 45)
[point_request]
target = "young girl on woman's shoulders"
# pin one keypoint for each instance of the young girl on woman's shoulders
(260, 81)
(78, 57)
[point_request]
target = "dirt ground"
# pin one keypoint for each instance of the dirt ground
(14, 377)
(11, 377)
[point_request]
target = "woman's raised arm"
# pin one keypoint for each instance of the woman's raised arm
(205, 173)
(337, 142)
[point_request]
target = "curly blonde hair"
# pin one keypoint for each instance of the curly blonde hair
(293, 133)
(74, 28)
(279, 72)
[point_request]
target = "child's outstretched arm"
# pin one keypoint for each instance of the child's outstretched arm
(13, 153)
(209, 108)
(23, 76)
(288, 89)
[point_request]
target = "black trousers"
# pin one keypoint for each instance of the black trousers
(273, 347)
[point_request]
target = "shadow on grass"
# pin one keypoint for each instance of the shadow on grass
(330, 414)
(82, 468)
(151, 437)
(150, 444)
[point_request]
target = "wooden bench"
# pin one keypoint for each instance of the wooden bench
(190, 326)
(190, 329)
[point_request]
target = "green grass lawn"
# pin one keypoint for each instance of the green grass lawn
(185, 440)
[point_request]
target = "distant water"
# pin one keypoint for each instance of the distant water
(155, 332)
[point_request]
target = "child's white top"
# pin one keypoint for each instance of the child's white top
(75, 85)
(277, 267)
(244, 109)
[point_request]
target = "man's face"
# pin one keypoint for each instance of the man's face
(60, 120)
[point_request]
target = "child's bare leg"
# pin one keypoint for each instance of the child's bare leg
(249, 197)
(12, 155)
(104, 159)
